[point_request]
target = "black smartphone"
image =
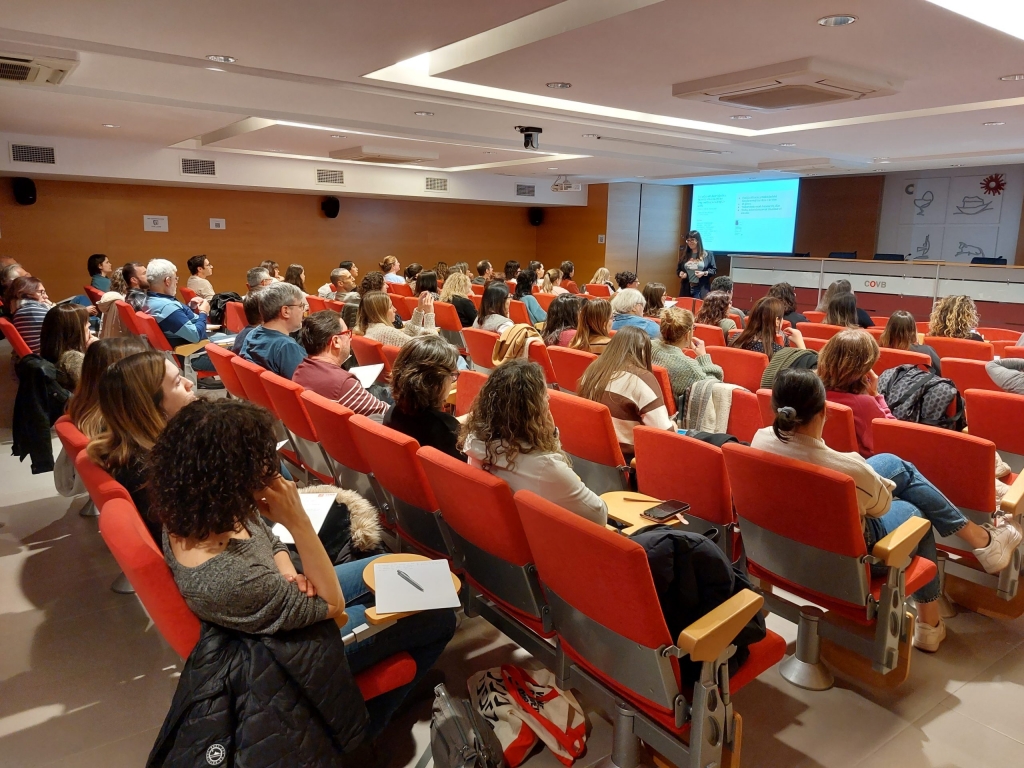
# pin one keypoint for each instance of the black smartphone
(665, 510)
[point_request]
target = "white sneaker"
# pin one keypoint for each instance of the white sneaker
(929, 638)
(996, 556)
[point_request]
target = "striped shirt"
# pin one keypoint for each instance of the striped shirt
(634, 399)
(335, 383)
(29, 322)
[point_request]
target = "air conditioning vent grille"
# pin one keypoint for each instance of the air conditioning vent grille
(26, 153)
(786, 97)
(329, 176)
(16, 72)
(526, 190)
(436, 185)
(193, 166)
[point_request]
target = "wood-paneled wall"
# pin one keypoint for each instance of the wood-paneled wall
(661, 209)
(72, 220)
(571, 234)
(839, 214)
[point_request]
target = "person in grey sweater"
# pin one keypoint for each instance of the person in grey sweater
(1008, 373)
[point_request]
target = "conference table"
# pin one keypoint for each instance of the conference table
(882, 287)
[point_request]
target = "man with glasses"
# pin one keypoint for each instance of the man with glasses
(201, 269)
(282, 306)
(181, 324)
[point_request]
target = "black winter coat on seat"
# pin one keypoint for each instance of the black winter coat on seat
(255, 701)
(39, 403)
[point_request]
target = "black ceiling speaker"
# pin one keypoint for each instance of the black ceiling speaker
(536, 216)
(24, 191)
(330, 206)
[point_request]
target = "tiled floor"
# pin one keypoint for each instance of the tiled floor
(85, 681)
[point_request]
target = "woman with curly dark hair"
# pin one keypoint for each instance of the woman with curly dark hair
(234, 572)
(511, 434)
(421, 379)
(786, 293)
(715, 311)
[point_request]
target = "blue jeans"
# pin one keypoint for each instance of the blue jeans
(913, 496)
(423, 636)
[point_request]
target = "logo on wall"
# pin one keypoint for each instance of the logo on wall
(967, 251)
(924, 201)
(874, 283)
(972, 205)
(994, 184)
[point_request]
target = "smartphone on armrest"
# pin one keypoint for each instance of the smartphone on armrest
(665, 510)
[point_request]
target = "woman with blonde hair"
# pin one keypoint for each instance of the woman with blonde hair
(844, 366)
(901, 333)
(593, 331)
(603, 277)
(456, 290)
(553, 282)
(511, 434)
(622, 379)
(84, 407)
(390, 267)
(376, 319)
(669, 352)
(836, 286)
(715, 311)
(842, 311)
(764, 323)
(654, 299)
(955, 317)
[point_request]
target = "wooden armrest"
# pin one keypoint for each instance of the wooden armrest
(712, 633)
(372, 616)
(190, 349)
(341, 620)
(895, 549)
(1012, 503)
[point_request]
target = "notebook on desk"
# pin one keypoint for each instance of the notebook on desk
(414, 586)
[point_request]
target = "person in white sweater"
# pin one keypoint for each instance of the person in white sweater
(511, 434)
(376, 319)
(889, 492)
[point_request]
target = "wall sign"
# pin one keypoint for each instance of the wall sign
(154, 224)
(218, 224)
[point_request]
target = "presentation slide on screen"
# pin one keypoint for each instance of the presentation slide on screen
(749, 216)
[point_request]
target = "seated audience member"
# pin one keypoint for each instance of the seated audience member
(137, 397)
(764, 323)
(377, 318)
(257, 277)
(181, 324)
(627, 280)
(251, 308)
(441, 271)
(136, 285)
(100, 269)
(833, 288)
(889, 491)
(235, 573)
(628, 312)
(341, 288)
(844, 366)
(64, 337)
(511, 270)
(538, 269)
(351, 267)
(296, 275)
(411, 273)
(484, 273)
(426, 281)
(117, 283)
(724, 284)
(715, 311)
(372, 281)
(494, 308)
(654, 299)
(26, 297)
(1008, 374)
(200, 270)
(390, 267)
(955, 317)
(511, 434)
(553, 282)
(593, 331)
(525, 281)
(328, 344)
(843, 286)
(563, 317)
(8, 274)
(421, 379)
(459, 266)
(676, 336)
(568, 270)
(622, 379)
(603, 277)
(270, 344)
(842, 311)
(84, 407)
(901, 333)
(273, 270)
(785, 293)
(456, 292)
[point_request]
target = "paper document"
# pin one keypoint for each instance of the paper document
(316, 506)
(669, 303)
(416, 586)
(367, 374)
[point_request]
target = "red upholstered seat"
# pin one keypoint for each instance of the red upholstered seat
(813, 316)
(597, 289)
(968, 374)
(94, 294)
(478, 290)
(335, 431)
(149, 328)
(963, 348)
(234, 316)
(891, 358)
(470, 383)
(384, 676)
(819, 330)
(569, 366)
(816, 344)
(517, 312)
(477, 298)
(446, 317)
(480, 345)
(402, 308)
(711, 335)
(390, 355)
(840, 432)
(70, 437)
(249, 375)
(999, 417)
(538, 353)
(286, 396)
(661, 373)
(316, 304)
(21, 349)
(741, 366)
(991, 334)
(585, 429)
(745, 416)
(98, 482)
(221, 359)
(544, 299)
(187, 294)
(370, 352)
(399, 289)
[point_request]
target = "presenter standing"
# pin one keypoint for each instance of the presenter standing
(696, 267)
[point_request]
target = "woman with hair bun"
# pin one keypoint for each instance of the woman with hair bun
(890, 491)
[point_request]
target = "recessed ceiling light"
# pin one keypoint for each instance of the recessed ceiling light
(423, 114)
(559, 85)
(215, 69)
(338, 136)
(839, 20)
(994, 123)
(221, 59)
(110, 125)
(739, 117)
(589, 135)
(553, 168)
(488, 152)
(641, 177)
(787, 144)
(1012, 77)
(957, 165)
(882, 160)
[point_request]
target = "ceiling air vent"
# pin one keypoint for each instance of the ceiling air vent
(806, 82)
(34, 70)
(26, 153)
(526, 190)
(436, 185)
(193, 166)
(383, 155)
(329, 176)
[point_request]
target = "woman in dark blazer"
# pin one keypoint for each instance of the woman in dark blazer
(696, 267)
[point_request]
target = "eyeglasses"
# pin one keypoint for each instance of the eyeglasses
(344, 333)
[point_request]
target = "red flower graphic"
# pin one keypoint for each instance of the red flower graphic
(994, 184)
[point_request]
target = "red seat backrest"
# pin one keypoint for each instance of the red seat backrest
(446, 317)
(390, 355)
(149, 328)
(480, 345)
(585, 428)
(878, 321)
(711, 335)
(234, 316)
(839, 433)
(73, 440)
(997, 416)
(402, 309)
(958, 464)
(517, 312)
(1013, 352)
(998, 334)
(964, 348)
(392, 456)
(597, 289)
(740, 366)
(816, 344)
(697, 304)
(286, 396)
(21, 348)
(335, 431)
(127, 317)
(186, 293)
(673, 466)
(544, 299)
(94, 294)
(891, 358)
(221, 359)
(369, 352)
(876, 331)
(538, 353)
(813, 316)
(819, 330)
(470, 384)
(666, 388)
(98, 482)
(968, 374)
(249, 375)
(399, 289)
(744, 417)
(316, 304)
(478, 290)
(569, 365)
(128, 540)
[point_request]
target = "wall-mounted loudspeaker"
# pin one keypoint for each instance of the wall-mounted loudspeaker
(536, 216)
(24, 191)
(330, 206)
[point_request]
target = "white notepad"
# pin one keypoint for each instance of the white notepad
(396, 595)
(316, 506)
(367, 374)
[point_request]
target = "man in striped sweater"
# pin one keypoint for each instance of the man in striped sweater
(328, 344)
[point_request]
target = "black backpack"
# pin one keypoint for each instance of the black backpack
(218, 306)
(922, 397)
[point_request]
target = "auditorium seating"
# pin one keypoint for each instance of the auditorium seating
(390, 355)
(711, 335)
(661, 373)
(480, 345)
(402, 307)
(599, 290)
(1013, 352)
(740, 366)
(839, 433)
(538, 353)
(234, 316)
(744, 416)
(447, 320)
(256, 392)
(963, 348)
(569, 366)
(544, 299)
(187, 294)
(398, 289)
(103, 488)
(813, 316)
(221, 359)
(469, 385)
(369, 351)
(150, 330)
(517, 313)
(968, 374)
(288, 404)
(95, 294)
(816, 344)
(74, 443)
(999, 417)
(819, 330)
(587, 435)
(892, 358)
(129, 320)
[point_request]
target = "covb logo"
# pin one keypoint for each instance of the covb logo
(874, 284)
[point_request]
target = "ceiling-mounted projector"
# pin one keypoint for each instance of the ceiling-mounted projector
(562, 184)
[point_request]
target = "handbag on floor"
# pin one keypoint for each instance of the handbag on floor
(459, 735)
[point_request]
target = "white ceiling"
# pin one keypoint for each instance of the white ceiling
(143, 67)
